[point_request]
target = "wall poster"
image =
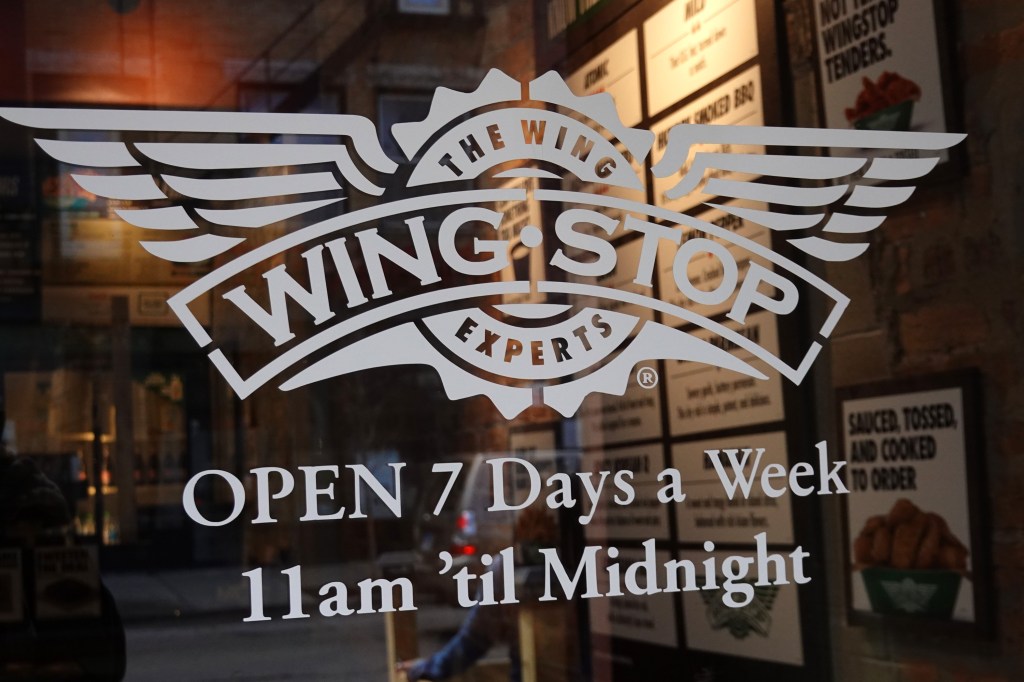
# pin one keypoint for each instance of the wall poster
(913, 456)
(880, 66)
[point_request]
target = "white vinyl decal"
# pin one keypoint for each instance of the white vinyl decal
(217, 178)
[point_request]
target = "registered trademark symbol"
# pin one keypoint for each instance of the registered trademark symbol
(647, 377)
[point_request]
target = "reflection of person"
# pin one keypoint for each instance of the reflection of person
(34, 516)
(484, 627)
(30, 503)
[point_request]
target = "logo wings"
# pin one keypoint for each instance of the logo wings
(836, 195)
(172, 179)
(209, 177)
(823, 196)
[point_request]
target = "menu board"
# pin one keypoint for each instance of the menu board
(705, 271)
(573, 183)
(616, 71)
(908, 512)
(645, 618)
(706, 398)
(767, 629)
(527, 264)
(527, 442)
(607, 419)
(645, 517)
(709, 514)
(690, 43)
(738, 101)
(627, 259)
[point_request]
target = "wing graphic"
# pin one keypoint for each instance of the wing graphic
(198, 188)
(824, 196)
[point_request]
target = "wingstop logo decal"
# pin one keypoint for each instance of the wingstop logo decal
(446, 275)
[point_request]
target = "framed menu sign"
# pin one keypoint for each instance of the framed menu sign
(688, 44)
(738, 101)
(912, 519)
(708, 513)
(616, 71)
(769, 628)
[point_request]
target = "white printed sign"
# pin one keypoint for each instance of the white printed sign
(709, 514)
(620, 279)
(608, 419)
(644, 517)
(736, 102)
(767, 629)
(706, 271)
(647, 618)
(879, 65)
(709, 398)
(617, 72)
(690, 43)
(908, 514)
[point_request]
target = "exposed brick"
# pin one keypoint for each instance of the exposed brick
(854, 279)
(1009, 552)
(1007, 503)
(859, 358)
(938, 264)
(1011, 440)
(942, 326)
(1006, 46)
(920, 671)
(903, 270)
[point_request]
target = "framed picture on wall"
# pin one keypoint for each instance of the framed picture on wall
(887, 68)
(914, 546)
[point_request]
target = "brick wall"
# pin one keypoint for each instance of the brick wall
(940, 289)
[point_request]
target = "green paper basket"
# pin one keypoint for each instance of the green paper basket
(920, 592)
(895, 117)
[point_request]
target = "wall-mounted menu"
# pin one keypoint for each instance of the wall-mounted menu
(644, 517)
(736, 102)
(767, 629)
(709, 514)
(644, 618)
(705, 270)
(706, 398)
(616, 71)
(607, 419)
(690, 43)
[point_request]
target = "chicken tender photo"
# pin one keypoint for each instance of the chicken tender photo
(909, 538)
